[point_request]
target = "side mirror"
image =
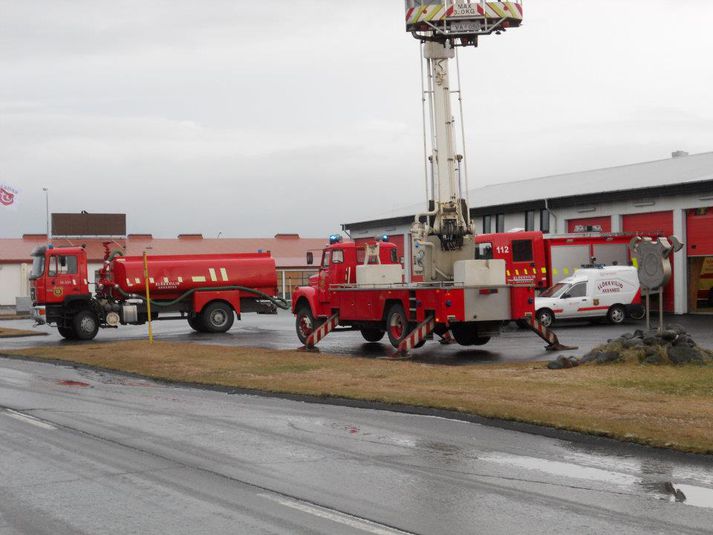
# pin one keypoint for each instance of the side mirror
(310, 258)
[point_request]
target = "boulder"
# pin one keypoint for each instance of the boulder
(683, 354)
(669, 335)
(608, 356)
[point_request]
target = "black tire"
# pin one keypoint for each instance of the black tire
(372, 335)
(616, 314)
(637, 312)
(217, 317)
(67, 333)
(545, 316)
(85, 325)
(196, 323)
(467, 335)
(305, 324)
(397, 325)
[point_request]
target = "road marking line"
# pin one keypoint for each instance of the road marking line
(336, 516)
(29, 419)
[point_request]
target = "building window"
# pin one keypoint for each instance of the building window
(545, 221)
(530, 220)
(487, 224)
(500, 223)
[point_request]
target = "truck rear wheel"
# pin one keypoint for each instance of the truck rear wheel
(467, 335)
(85, 325)
(372, 335)
(196, 324)
(305, 324)
(217, 317)
(67, 333)
(397, 326)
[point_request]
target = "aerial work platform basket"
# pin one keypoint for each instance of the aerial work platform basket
(454, 18)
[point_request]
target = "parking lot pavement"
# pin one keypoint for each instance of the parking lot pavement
(277, 332)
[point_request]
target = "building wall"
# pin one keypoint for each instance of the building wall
(13, 283)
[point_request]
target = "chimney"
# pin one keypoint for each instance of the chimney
(679, 154)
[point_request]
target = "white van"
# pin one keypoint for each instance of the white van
(612, 292)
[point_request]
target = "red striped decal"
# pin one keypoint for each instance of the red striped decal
(558, 310)
(449, 12)
(588, 309)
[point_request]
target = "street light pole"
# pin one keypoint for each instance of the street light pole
(47, 211)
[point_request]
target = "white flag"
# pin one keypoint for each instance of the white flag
(8, 196)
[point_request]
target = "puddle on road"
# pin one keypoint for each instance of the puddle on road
(696, 496)
(560, 468)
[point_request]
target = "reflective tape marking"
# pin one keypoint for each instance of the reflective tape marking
(150, 280)
(180, 279)
(198, 279)
(129, 283)
(212, 274)
(224, 274)
(138, 280)
(165, 280)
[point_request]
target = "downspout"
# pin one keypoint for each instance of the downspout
(547, 207)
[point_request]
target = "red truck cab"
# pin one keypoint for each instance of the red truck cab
(523, 252)
(58, 282)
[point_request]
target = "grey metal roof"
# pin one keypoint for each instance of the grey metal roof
(668, 172)
(653, 175)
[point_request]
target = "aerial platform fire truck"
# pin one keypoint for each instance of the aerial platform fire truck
(206, 290)
(452, 293)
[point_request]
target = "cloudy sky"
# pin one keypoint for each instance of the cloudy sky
(251, 118)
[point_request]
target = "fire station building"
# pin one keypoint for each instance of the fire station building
(671, 196)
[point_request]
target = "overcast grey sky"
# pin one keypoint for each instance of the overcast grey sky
(251, 118)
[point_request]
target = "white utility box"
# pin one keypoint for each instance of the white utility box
(372, 274)
(479, 272)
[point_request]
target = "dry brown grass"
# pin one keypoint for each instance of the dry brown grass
(15, 333)
(656, 405)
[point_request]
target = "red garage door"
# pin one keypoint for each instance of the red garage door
(589, 224)
(699, 232)
(653, 222)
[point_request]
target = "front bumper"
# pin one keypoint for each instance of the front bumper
(39, 314)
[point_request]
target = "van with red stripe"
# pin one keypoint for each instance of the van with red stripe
(610, 292)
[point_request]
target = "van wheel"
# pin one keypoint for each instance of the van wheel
(372, 335)
(637, 312)
(67, 333)
(397, 325)
(217, 317)
(616, 314)
(85, 325)
(545, 316)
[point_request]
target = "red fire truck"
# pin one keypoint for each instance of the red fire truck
(206, 290)
(544, 259)
(361, 287)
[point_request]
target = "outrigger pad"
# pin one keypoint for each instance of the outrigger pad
(560, 347)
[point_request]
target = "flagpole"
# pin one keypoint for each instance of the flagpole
(47, 212)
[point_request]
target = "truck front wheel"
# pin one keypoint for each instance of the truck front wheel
(85, 325)
(305, 324)
(217, 317)
(397, 326)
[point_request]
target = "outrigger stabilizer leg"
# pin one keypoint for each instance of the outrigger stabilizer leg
(320, 332)
(415, 337)
(553, 343)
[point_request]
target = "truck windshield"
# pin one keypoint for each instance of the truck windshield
(555, 291)
(38, 267)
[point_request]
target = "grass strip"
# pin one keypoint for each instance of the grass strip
(17, 333)
(661, 406)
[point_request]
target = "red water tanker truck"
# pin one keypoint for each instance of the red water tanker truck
(207, 290)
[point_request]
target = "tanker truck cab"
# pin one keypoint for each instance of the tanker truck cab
(610, 292)
(60, 290)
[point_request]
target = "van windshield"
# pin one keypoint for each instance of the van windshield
(555, 291)
(38, 266)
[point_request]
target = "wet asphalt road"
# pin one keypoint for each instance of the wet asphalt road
(278, 332)
(88, 452)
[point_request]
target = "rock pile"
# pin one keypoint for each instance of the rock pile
(673, 345)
